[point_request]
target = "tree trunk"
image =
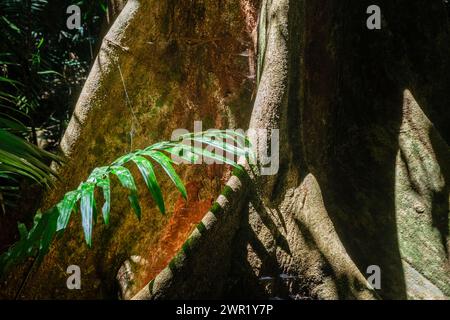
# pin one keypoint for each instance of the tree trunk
(364, 159)
(363, 174)
(114, 8)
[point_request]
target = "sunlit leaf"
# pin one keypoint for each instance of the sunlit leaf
(105, 184)
(38, 239)
(87, 210)
(166, 164)
(65, 208)
(146, 169)
(49, 221)
(126, 179)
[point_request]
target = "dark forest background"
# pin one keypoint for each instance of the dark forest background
(43, 66)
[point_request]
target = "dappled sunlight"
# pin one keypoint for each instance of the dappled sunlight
(185, 217)
(421, 202)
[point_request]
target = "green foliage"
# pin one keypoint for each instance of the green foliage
(42, 67)
(17, 156)
(20, 159)
(47, 62)
(46, 225)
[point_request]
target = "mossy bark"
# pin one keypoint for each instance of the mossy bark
(364, 173)
(162, 66)
(364, 157)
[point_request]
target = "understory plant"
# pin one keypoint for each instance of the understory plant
(46, 225)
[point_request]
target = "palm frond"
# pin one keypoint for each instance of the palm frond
(18, 156)
(37, 240)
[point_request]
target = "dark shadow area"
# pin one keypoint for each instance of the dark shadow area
(271, 283)
(266, 219)
(425, 33)
(352, 112)
(341, 282)
(351, 98)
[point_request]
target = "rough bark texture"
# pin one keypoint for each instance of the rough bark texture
(180, 61)
(286, 245)
(114, 8)
(381, 165)
(364, 157)
(364, 173)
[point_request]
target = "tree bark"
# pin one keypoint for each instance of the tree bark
(364, 173)
(114, 8)
(364, 157)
